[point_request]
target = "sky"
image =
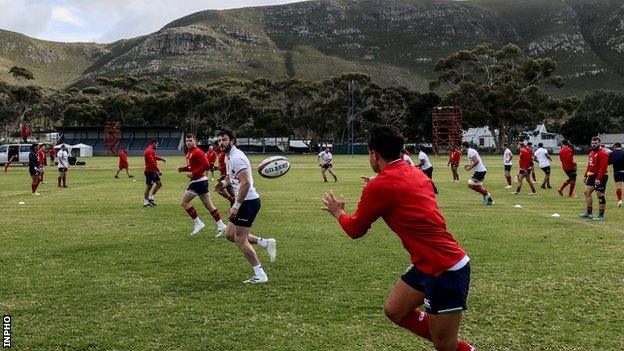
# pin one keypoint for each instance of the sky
(104, 21)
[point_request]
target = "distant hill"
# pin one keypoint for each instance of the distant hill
(395, 41)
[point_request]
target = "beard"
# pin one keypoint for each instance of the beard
(226, 148)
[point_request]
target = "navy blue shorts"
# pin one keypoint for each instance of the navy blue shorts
(445, 293)
(603, 182)
(198, 188)
(571, 174)
(479, 176)
(32, 172)
(62, 170)
(507, 168)
(429, 172)
(151, 178)
(546, 169)
(246, 213)
(618, 177)
(327, 166)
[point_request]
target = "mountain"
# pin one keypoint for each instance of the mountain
(395, 41)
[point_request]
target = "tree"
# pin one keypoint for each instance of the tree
(501, 89)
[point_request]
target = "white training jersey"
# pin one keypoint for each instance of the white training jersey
(326, 156)
(408, 159)
(235, 163)
(63, 159)
(542, 157)
(423, 157)
(507, 155)
(473, 156)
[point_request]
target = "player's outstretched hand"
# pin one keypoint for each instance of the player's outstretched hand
(366, 179)
(181, 169)
(164, 161)
(466, 167)
(333, 205)
(218, 187)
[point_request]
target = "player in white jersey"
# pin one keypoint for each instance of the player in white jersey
(63, 166)
(507, 163)
(541, 156)
(425, 166)
(246, 207)
(326, 165)
(406, 157)
(476, 182)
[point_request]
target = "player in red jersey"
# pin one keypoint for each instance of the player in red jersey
(52, 155)
(524, 163)
(197, 164)
(123, 163)
(227, 192)
(439, 276)
(212, 160)
(566, 155)
(454, 160)
(596, 180)
(529, 147)
(152, 173)
(42, 162)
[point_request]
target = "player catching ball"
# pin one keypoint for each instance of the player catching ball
(439, 276)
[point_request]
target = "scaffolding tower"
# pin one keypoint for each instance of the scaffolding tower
(112, 136)
(447, 128)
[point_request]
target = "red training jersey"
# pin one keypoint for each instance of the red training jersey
(525, 158)
(123, 159)
(598, 163)
(222, 167)
(150, 160)
(566, 155)
(42, 157)
(212, 157)
(403, 196)
(52, 152)
(196, 163)
(455, 157)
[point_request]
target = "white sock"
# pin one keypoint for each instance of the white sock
(197, 221)
(220, 224)
(145, 202)
(151, 197)
(258, 271)
(262, 242)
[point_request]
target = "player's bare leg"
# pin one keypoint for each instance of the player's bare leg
(147, 195)
(269, 244)
(34, 184)
(331, 171)
(117, 174)
(602, 204)
(158, 186)
(588, 202)
(214, 212)
(241, 238)
(618, 193)
(64, 179)
(323, 171)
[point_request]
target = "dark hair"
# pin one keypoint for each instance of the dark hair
(154, 141)
(529, 144)
(417, 148)
(505, 144)
(191, 136)
(596, 139)
(618, 145)
(33, 147)
(386, 141)
(227, 132)
(540, 145)
(565, 142)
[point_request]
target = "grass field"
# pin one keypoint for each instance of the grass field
(88, 268)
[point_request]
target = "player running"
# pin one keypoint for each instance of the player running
(152, 173)
(476, 181)
(525, 169)
(63, 166)
(211, 154)
(543, 159)
(197, 164)
(616, 158)
(596, 180)
(439, 276)
(425, 166)
(123, 163)
(327, 165)
(454, 160)
(33, 169)
(243, 213)
(507, 163)
(566, 155)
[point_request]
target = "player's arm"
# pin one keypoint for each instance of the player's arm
(603, 163)
(369, 209)
(318, 159)
(472, 163)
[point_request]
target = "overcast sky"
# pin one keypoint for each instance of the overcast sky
(104, 21)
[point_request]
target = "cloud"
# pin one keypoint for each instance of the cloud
(104, 20)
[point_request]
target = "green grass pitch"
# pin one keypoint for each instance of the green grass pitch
(88, 268)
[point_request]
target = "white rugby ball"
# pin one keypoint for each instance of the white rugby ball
(274, 167)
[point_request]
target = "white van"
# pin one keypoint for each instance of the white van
(7, 151)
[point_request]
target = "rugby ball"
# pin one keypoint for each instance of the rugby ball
(274, 167)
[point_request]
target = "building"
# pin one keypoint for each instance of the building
(609, 139)
(551, 141)
(480, 137)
